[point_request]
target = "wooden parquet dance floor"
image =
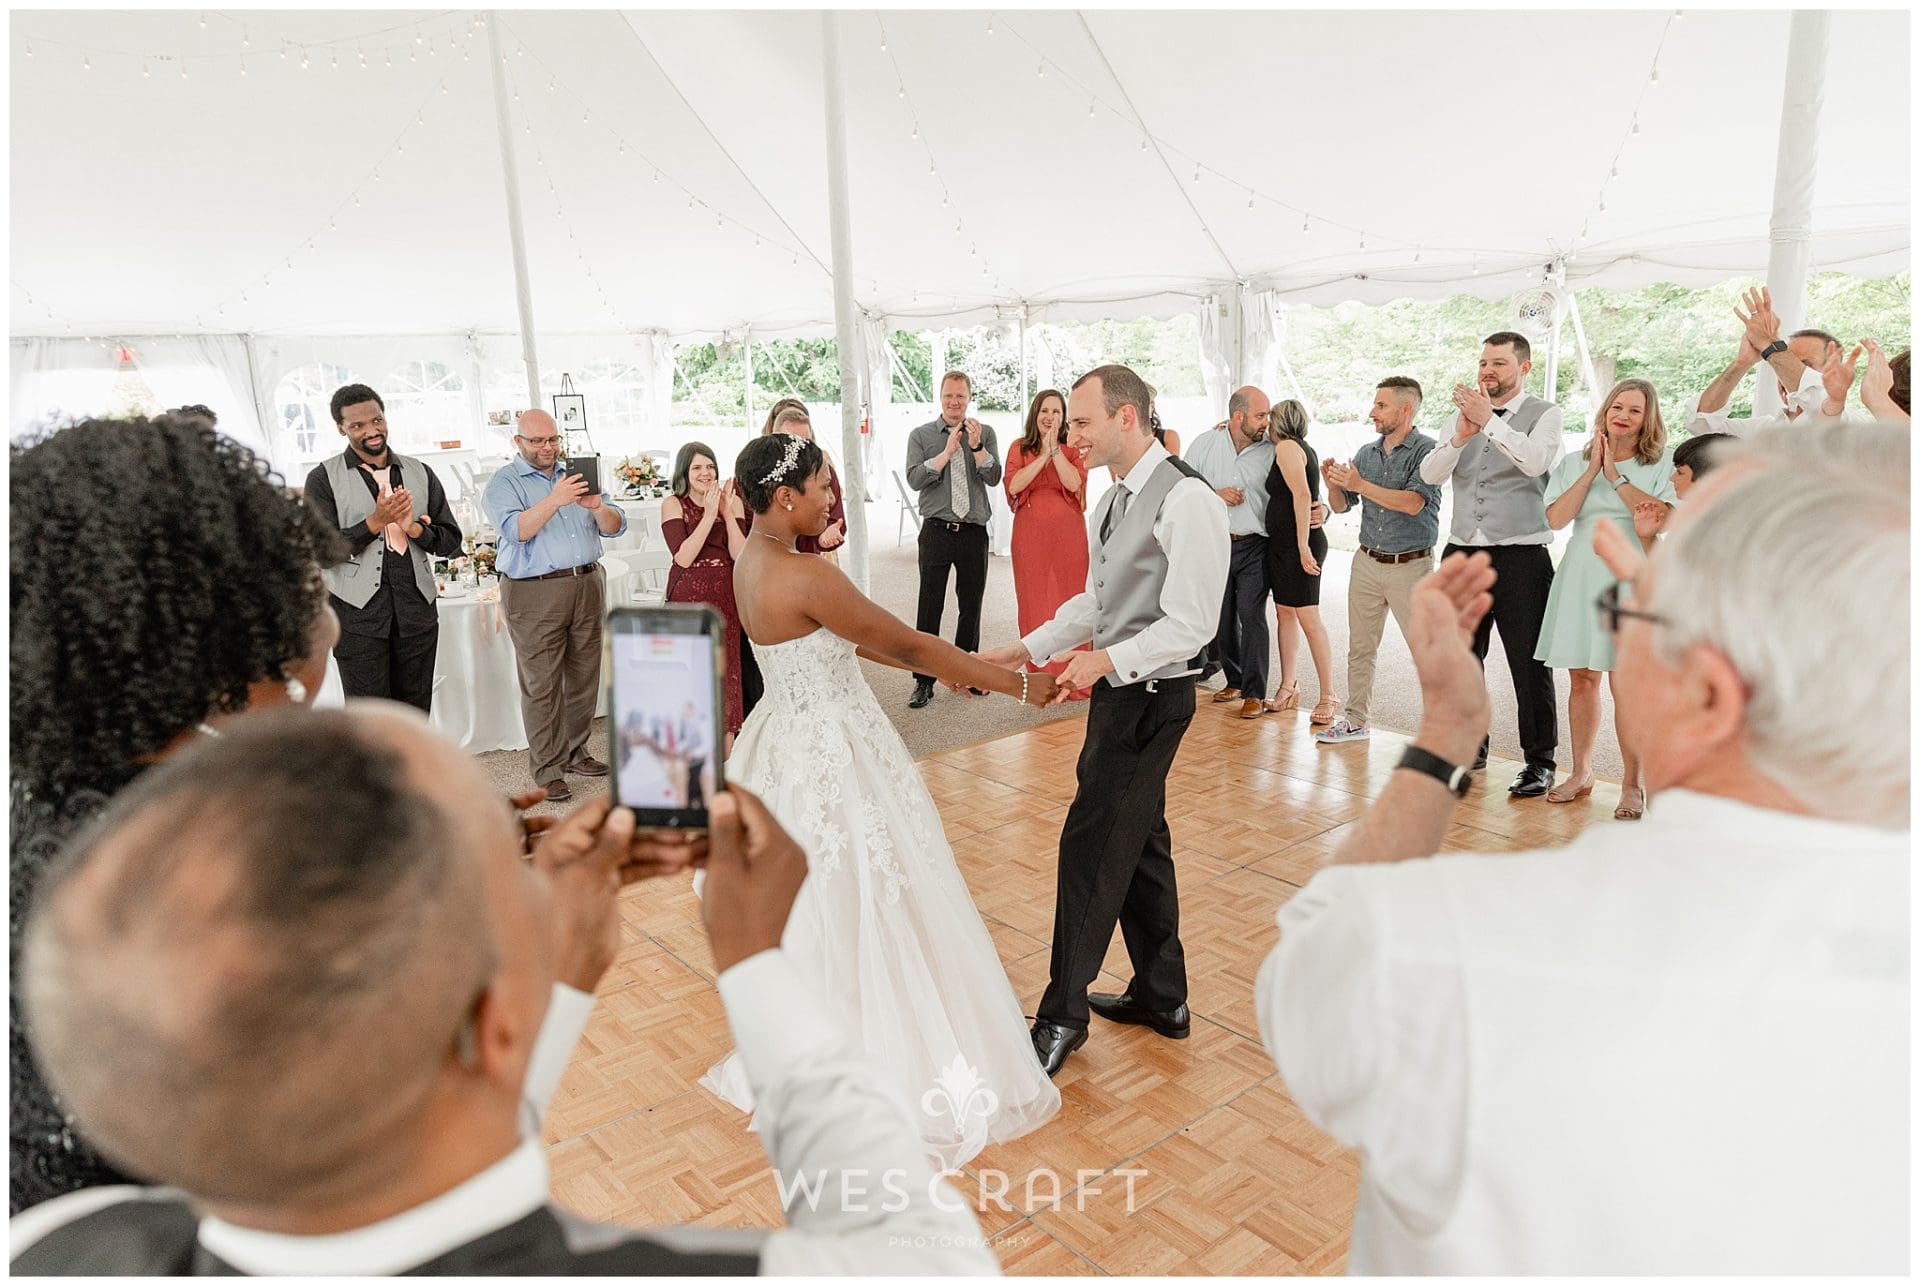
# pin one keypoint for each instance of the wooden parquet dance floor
(1228, 1176)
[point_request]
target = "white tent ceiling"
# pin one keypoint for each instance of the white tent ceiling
(1470, 147)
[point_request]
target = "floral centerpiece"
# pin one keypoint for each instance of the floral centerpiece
(640, 474)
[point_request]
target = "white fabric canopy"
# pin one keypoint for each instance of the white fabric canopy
(1458, 141)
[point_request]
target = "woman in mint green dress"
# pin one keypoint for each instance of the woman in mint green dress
(1624, 465)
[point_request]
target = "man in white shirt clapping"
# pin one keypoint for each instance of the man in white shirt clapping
(1680, 1047)
(1796, 361)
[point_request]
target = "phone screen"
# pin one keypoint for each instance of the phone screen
(666, 718)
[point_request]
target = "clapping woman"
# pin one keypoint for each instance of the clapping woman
(789, 415)
(1624, 468)
(705, 525)
(1047, 485)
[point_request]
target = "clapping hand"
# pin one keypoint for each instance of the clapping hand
(1649, 516)
(1876, 386)
(1447, 608)
(1340, 475)
(1761, 326)
(1598, 452)
(1476, 408)
(390, 508)
(712, 501)
(1837, 375)
(418, 526)
(972, 426)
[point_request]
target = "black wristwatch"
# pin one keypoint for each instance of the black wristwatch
(1777, 346)
(1452, 776)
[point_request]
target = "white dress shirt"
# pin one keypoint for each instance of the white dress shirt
(1534, 453)
(1809, 397)
(1679, 1046)
(822, 1111)
(1221, 461)
(1192, 528)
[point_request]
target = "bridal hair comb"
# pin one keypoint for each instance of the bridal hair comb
(787, 460)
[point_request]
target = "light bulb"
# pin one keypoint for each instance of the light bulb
(1305, 226)
(183, 71)
(203, 22)
(901, 92)
(989, 24)
(916, 131)
(29, 49)
(1603, 205)
(1090, 106)
(246, 41)
(1653, 77)
(1143, 145)
(1042, 73)
(883, 44)
(243, 66)
(1636, 127)
(144, 69)
(1249, 203)
(86, 64)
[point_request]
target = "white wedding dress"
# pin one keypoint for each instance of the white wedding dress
(884, 928)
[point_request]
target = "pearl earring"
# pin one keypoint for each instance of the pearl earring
(296, 691)
(789, 508)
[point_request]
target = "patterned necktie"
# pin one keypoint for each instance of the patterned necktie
(1115, 512)
(959, 485)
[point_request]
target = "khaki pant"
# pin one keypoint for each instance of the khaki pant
(556, 628)
(1374, 589)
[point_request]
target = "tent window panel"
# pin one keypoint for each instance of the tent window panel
(426, 405)
(303, 423)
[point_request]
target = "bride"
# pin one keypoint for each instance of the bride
(884, 926)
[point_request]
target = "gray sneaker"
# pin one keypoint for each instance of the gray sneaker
(1343, 729)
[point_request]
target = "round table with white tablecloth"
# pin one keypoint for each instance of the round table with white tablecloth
(476, 678)
(643, 525)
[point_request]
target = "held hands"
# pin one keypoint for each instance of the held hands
(1476, 408)
(1083, 670)
(754, 872)
(1446, 609)
(1042, 688)
(1010, 657)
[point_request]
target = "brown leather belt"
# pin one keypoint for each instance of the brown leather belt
(1392, 559)
(564, 573)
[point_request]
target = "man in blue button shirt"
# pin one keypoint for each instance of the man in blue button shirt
(554, 597)
(1236, 461)
(1399, 526)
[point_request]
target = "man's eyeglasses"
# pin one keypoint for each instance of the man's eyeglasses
(1608, 605)
(540, 442)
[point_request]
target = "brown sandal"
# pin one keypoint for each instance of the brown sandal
(1287, 698)
(1324, 712)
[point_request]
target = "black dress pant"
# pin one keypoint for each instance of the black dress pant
(394, 665)
(1116, 853)
(1243, 617)
(1524, 579)
(964, 551)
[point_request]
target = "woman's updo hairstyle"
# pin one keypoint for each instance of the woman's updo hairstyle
(778, 460)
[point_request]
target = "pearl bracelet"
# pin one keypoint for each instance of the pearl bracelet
(1023, 687)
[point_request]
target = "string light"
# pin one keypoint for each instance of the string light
(1306, 225)
(29, 49)
(86, 64)
(1091, 104)
(1043, 71)
(243, 66)
(203, 22)
(989, 24)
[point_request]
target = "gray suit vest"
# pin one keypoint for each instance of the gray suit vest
(1490, 494)
(357, 580)
(1131, 567)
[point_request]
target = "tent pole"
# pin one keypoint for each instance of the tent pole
(1586, 356)
(1024, 399)
(1791, 230)
(1553, 356)
(516, 234)
(746, 356)
(845, 327)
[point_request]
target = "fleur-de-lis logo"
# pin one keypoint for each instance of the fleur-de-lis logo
(959, 1094)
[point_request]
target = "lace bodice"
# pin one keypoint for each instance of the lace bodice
(813, 674)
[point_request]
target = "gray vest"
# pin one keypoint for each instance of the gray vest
(1490, 494)
(357, 580)
(1130, 568)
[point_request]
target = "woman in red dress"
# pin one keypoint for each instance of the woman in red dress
(705, 526)
(790, 415)
(1047, 484)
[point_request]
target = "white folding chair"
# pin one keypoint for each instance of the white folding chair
(908, 508)
(650, 574)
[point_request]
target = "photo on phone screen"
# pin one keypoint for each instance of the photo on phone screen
(666, 717)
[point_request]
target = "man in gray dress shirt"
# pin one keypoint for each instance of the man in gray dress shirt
(953, 463)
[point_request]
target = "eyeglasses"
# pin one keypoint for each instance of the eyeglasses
(1608, 605)
(540, 442)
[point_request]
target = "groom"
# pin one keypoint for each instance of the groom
(1152, 603)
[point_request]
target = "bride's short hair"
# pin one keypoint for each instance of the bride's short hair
(769, 463)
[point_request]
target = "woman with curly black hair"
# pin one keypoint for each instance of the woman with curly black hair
(163, 580)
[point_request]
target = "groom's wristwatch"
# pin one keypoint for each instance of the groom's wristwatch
(1452, 776)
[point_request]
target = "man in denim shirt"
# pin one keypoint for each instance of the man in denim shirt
(554, 597)
(1399, 526)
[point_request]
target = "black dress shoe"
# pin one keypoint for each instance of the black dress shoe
(1532, 781)
(1053, 1043)
(1174, 1024)
(1480, 760)
(922, 693)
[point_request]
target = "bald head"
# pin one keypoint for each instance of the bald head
(537, 438)
(1248, 413)
(250, 976)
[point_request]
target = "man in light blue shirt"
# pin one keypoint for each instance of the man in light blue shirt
(1236, 461)
(554, 597)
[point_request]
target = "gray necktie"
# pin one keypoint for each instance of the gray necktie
(958, 483)
(1115, 512)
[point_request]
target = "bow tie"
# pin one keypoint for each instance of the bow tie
(1501, 411)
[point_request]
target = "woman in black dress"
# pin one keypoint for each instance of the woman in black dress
(1295, 550)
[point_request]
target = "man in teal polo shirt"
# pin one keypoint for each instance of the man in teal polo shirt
(554, 597)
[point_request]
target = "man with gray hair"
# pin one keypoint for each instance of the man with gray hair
(1680, 1047)
(297, 973)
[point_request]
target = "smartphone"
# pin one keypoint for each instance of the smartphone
(588, 467)
(666, 727)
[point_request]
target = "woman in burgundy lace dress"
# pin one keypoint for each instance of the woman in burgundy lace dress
(705, 525)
